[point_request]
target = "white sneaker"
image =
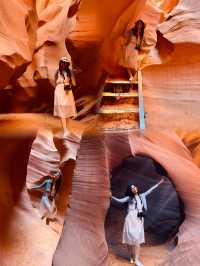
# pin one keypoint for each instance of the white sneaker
(138, 263)
(131, 260)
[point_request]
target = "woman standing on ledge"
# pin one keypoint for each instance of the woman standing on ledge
(64, 104)
(66, 142)
(132, 47)
(133, 232)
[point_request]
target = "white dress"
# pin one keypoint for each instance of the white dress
(130, 55)
(133, 231)
(64, 104)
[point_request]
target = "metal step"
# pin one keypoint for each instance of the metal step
(114, 87)
(120, 94)
(121, 81)
(118, 110)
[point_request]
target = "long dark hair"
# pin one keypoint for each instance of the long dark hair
(64, 68)
(129, 191)
(132, 196)
(138, 33)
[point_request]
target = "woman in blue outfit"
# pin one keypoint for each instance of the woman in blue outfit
(133, 231)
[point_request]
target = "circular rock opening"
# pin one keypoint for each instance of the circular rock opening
(165, 209)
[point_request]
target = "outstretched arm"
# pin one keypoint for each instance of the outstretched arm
(154, 187)
(123, 200)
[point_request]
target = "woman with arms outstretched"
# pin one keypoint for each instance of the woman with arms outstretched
(133, 231)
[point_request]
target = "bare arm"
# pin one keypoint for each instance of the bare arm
(123, 200)
(153, 188)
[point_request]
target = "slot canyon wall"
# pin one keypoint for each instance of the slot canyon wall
(90, 200)
(26, 85)
(170, 71)
(33, 36)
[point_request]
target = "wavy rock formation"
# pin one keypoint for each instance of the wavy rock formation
(170, 71)
(182, 23)
(171, 90)
(28, 61)
(28, 64)
(16, 52)
(44, 157)
(165, 210)
(90, 200)
(192, 141)
(24, 240)
(97, 32)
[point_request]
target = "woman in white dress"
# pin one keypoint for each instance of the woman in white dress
(133, 231)
(132, 48)
(65, 108)
(64, 104)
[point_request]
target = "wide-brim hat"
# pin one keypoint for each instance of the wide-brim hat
(56, 173)
(65, 59)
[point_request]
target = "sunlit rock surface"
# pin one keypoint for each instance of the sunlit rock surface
(28, 64)
(170, 71)
(171, 90)
(44, 157)
(25, 240)
(18, 38)
(192, 140)
(182, 23)
(98, 156)
(90, 38)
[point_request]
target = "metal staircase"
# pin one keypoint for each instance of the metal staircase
(123, 100)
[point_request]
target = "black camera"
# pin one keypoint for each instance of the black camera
(141, 214)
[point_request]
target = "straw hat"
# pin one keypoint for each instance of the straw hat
(65, 59)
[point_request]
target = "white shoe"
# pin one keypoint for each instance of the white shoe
(138, 263)
(131, 260)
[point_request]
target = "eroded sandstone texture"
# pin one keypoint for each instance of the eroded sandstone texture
(98, 156)
(18, 38)
(29, 63)
(32, 35)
